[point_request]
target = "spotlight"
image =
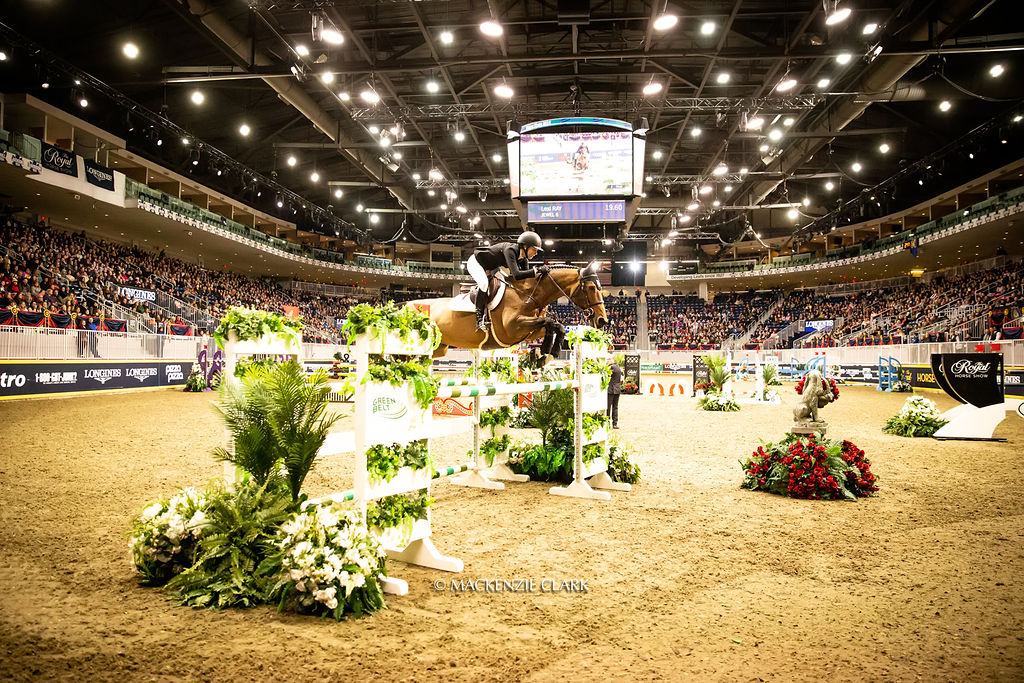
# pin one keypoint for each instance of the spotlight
(446, 37)
(944, 105)
(652, 88)
(695, 131)
(3, 56)
(838, 15)
(197, 97)
(370, 96)
(775, 134)
(869, 28)
(706, 189)
(721, 169)
(130, 50)
(744, 171)
(786, 84)
(856, 167)
(314, 176)
(755, 123)
(432, 86)
(792, 214)
(707, 28)
(302, 50)
(830, 186)
(763, 148)
(665, 21)
(496, 158)
(844, 58)
(727, 188)
(459, 136)
(996, 70)
(656, 154)
(193, 157)
(788, 121)
(344, 96)
(824, 82)
(722, 78)
(435, 175)
(491, 28)
(330, 34)
(292, 160)
(503, 91)
(327, 77)
(185, 141)
(338, 194)
(884, 148)
(374, 218)
(244, 129)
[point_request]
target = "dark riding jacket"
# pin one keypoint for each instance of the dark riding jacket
(505, 254)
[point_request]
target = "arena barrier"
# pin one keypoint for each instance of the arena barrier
(889, 370)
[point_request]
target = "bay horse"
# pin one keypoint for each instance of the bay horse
(520, 315)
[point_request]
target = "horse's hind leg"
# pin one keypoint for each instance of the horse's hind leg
(440, 351)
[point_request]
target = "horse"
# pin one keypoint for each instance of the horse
(519, 315)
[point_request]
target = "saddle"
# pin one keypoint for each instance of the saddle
(465, 302)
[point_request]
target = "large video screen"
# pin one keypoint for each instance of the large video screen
(586, 211)
(576, 163)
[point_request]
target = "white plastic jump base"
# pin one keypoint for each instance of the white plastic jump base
(476, 479)
(579, 489)
(601, 480)
(390, 584)
(502, 472)
(970, 423)
(423, 553)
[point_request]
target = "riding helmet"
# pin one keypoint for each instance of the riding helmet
(530, 239)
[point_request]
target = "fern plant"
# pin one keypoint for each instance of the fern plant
(244, 409)
(240, 534)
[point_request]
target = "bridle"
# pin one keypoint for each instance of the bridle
(588, 309)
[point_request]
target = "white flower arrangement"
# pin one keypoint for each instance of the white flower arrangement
(919, 416)
(718, 402)
(164, 535)
(330, 562)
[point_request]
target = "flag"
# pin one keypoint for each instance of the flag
(291, 311)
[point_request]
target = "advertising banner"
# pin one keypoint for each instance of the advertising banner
(701, 373)
(59, 160)
(631, 369)
(138, 294)
(99, 175)
(22, 379)
(974, 378)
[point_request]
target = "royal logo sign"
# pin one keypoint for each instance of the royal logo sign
(59, 160)
(974, 378)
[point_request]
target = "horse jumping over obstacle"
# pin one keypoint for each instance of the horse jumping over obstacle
(519, 314)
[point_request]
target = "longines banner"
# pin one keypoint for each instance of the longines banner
(18, 379)
(138, 294)
(59, 160)
(99, 175)
(975, 378)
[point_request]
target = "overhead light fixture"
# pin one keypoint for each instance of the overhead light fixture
(548, 243)
(327, 77)
(674, 233)
(944, 105)
(884, 148)
(374, 218)
(869, 28)
(707, 28)
(338, 193)
(722, 78)
(491, 28)
(416, 176)
(807, 201)
(727, 188)
(656, 154)
(706, 189)
(830, 186)
(3, 56)
(648, 178)
(83, 101)
(244, 129)
(744, 171)
(763, 148)
(130, 50)
(844, 58)
(775, 134)
(496, 158)
(370, 96)
(330, 34)
(397, 155)
(461, 208)
(755, 123)
(838, 15)
(435, 175)
(1018, 118)
(996, 70)
(301, 50)
(716, 203)
(792, 213)
(503, 91)
(185, 141)
(446, 37)
(314, 176)
(197, 97)
(432, 86)
(344, 96)
(786, 84)
(788, 121)
(665, 21)
(824, 82)
(385, 141)
(693, 206)
(720, 170)
(374, 129)
(695, 131)
(279, 202)
(652, 88)
(359, 208)
(856, 167)
(459, 136)
(686, 218)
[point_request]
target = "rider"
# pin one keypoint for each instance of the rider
(482, 264)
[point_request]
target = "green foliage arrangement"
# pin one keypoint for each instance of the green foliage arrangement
(411, 324)
(594, 421)
(401, 511)
(918, 417)
(621, 466)
(494, 446)
(240, 533)
(715, 401)
(594, 367)
(196, 380)
(552, 413)
(496, 368)
(496, 417)
(248, 363)
(277, 417)
(770, 375)
(398, 372)
(164, 536)
(250, 323)
(589, 335)
(718, 371)
(383, 462)
(542, 462)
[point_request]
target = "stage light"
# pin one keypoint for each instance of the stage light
(844, 58)
(496, 158)
(302, 50)
(130, 50)
(944, 105)
(775, 134)
(716, 203)
(396, 155)
(83, 101)
(665, 21)
(686, 218)
(432, 86)
(722, 78)
(695, 131)
(838, 15)
(197, 97)
(374, 218)
(856, 167)
(338, 194)
(435, 175)
(786, 84)
(830, 186)
(291, 161)
(370, 96)
(727, 188)
(721, 169)
(788, 121)
(744, 171)
(314, 176)
(996, 70)
(3, 56)
(824, 82)
(884, 148)
(459, 136)
(491, 28)
(792, 213)
(327, 77)
(503, 91)
(244, 129)
(461, 209)
(185, 141)
(693, 206)
(707, 28)
(332, 35)
(446, 37)
(359, 208)
(656, 154)
(344, 96)
(763, 148)
(707, 189)
(548, 243)
(869, 28)
(807, 201)
(652, 88)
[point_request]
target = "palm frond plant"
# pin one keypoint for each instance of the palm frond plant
(770, 375)
(718, 371)
(245, 407)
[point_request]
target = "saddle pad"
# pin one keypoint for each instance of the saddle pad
(464, 304)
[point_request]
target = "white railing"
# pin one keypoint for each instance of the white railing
(46, 343)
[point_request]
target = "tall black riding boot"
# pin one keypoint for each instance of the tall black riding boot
(481, 309)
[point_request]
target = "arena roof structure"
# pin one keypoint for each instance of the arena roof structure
(803, 106)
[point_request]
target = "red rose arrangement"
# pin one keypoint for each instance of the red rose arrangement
(703, 386)
(826, 385)
(809, 467)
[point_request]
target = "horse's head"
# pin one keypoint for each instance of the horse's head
(587, 295)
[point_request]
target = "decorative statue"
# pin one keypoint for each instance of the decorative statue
(815, 393)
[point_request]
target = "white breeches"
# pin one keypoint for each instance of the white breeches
(477, 272)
